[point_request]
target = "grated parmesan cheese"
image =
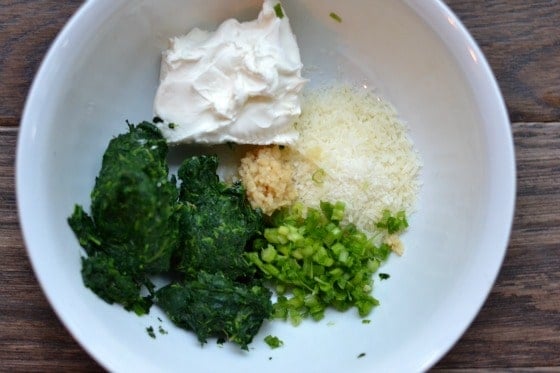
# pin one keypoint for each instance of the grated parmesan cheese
(357, 143)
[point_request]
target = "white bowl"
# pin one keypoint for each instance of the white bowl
(103, 69)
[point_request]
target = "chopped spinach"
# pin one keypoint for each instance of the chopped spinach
(217, 222)
(133, 229)
(213, 305)
(143, 224)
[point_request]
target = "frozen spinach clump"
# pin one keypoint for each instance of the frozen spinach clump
(217, 222)
(213, 305)
(133, 229)
(143, 224)
(218, 296)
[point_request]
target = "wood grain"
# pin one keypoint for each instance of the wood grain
(521, 41)
(31, 336)
(27, 29)
(518, 328)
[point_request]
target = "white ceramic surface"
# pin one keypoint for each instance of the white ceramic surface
(103, 69)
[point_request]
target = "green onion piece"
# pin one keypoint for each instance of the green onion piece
(338, 211)
(336, 17)
(268, 254)
(393, 224)
(319, 176)
(278, 10)
(273, 341)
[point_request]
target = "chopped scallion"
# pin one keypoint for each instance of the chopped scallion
(278, 10)
(315, 261)
(393, 223)
(273, 341)
(336, 17)
(319, 176)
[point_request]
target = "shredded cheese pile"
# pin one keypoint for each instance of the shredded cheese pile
(354, 148)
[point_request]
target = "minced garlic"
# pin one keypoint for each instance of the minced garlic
(266, 174)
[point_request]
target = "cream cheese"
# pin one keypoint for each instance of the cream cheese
(240, 83)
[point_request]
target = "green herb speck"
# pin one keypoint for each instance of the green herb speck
(319, 176)
(162, 331)
(384, 276)
(336, 17)
(151, 332)
(278, 10)
(366, 321)
(273, 341)
(171, 125)
(361, 355)
(157, 120)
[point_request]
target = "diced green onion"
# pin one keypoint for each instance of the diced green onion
(336, 17)
(273, 341)
(268, 254)
(319, 176)
(393, 224)
(278, 10)
(315, 261)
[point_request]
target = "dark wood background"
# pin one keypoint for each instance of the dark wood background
(519, 325)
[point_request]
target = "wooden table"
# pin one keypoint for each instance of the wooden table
(519, 325)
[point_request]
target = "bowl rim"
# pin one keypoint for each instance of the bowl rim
(440, 17)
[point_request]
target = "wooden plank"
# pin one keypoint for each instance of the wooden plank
(521, 41)
(32, 337)
(519, 326)
(27, 29)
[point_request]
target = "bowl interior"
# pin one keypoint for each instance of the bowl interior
(103, 70)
